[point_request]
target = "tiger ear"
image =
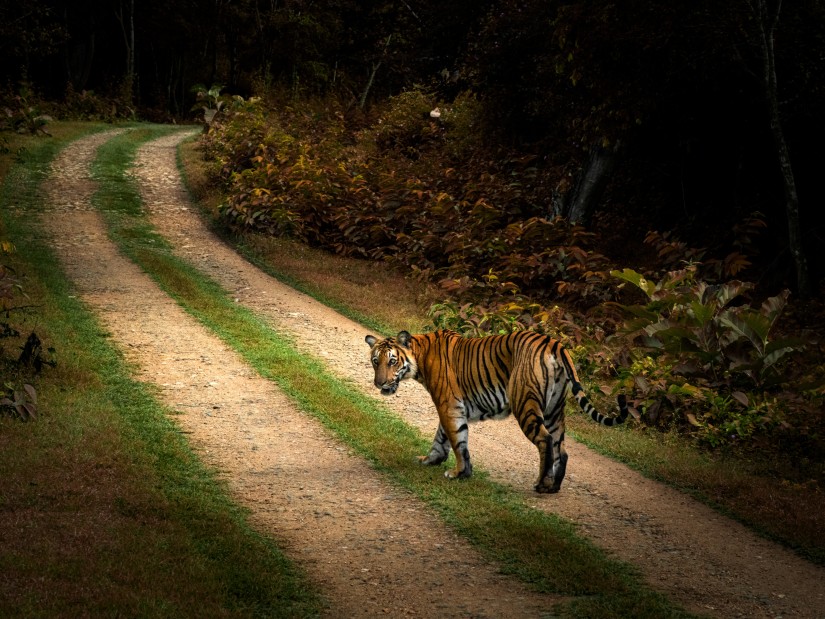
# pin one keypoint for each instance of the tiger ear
(404, 338)
(371, 340)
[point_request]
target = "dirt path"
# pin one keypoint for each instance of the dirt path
(704, 561)
(354, 534)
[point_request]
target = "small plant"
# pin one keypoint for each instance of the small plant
(210, 101)
(25, 117)
(21, 403)
(406, 125)
(32, 354)
(10, 287)
(475, 321)
(518, 314)
(673, 252)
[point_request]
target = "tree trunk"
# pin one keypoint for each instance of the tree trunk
(590, 185)
(129, 41)
(377, 65)
(363, 101)
(767, 26)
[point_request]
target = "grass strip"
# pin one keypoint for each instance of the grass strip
(163, 537)
(539, 548)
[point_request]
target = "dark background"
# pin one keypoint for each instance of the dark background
(672, 95)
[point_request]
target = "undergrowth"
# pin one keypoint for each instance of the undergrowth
(417, 186)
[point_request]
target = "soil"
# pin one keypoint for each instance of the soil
(375, 549)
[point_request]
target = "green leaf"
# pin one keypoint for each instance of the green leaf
(686, 390)
(637, 279)
(749, 325)
(642, 312)
(702, 313)
(776, 351)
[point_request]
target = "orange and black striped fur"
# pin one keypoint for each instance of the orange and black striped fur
(472, 379)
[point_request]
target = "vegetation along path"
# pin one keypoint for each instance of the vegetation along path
(372, 545)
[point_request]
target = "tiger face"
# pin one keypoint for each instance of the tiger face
(392, 361)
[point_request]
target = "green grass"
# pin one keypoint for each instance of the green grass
(539, 548)
(104, 509)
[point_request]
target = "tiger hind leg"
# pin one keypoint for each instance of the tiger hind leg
(552, 464)
(531, 422)
(545, 429)
(558, 468)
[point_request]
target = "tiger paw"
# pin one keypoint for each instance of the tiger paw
(456, 474)
(546, 488)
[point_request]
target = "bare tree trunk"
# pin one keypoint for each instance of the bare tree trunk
(768, 21)
(129, 40)
(79, 57)
(363, 101)
(375, 67)
(590, 186)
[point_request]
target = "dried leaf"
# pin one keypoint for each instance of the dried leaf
(740, 397)
(653, 410)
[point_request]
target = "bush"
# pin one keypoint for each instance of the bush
(703, 355)
(373, 193)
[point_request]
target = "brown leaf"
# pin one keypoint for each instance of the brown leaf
(740, 397)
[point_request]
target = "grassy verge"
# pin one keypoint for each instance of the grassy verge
(733, 484)
(104, 510)
(541, 549)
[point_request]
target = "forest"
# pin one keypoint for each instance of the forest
(638, 172)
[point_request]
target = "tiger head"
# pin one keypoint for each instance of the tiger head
(392, 361)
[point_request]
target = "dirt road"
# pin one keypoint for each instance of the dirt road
(374, 548)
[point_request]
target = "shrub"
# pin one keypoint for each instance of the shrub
(406, 124)
(707, 361)
(23, 114)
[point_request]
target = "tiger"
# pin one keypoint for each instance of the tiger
(478, 378)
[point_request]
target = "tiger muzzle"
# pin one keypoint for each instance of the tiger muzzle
(387, 388)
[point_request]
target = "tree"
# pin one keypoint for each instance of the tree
(29, 31)
(127, 27)
(767, 20)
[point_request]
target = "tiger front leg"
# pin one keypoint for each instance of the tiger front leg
(440, 449)
(454, 423)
